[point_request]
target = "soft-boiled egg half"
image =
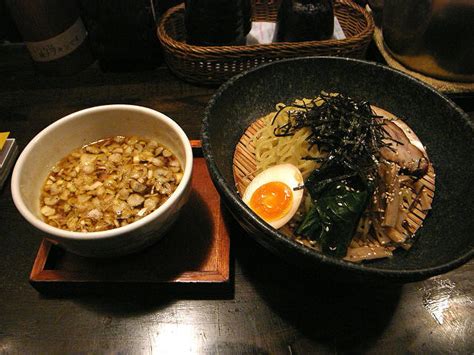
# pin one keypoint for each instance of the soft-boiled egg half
(275, 194)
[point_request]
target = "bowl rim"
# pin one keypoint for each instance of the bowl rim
(272, 234)
(110, 233)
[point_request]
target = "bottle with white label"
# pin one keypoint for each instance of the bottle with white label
(54, 34)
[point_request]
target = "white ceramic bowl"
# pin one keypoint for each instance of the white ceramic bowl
(83, 127)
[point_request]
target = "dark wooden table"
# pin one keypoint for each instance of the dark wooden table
(272, 308)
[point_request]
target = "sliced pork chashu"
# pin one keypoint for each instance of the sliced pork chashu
(405, 147)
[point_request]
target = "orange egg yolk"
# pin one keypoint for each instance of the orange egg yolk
(272, 200)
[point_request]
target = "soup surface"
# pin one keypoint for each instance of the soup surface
(109, 184)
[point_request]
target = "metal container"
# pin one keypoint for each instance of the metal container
(434, 37)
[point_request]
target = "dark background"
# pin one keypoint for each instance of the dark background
(9, 32)
(119, 41)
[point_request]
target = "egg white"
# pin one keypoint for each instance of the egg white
(285, 173)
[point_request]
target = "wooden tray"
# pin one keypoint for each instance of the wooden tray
(194, 255)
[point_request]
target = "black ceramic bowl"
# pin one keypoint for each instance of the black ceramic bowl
(445, 240)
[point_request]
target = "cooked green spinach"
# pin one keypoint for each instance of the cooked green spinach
(337, 207)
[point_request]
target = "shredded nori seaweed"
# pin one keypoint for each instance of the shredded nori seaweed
(345, 129)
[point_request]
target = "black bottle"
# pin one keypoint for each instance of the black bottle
(217, 22)
(121, 42)
(305, 20)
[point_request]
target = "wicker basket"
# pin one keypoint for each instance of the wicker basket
(214, 65)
